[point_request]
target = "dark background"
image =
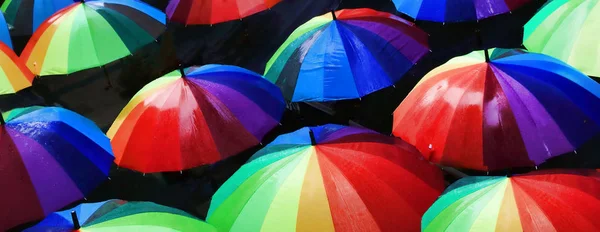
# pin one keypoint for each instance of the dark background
(250, 43)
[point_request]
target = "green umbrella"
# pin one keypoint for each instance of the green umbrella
(567, 30)
(118, 215)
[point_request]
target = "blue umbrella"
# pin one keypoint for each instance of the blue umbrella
(345, 55)
(456, 10)
(4, 34)
(50, 157)
(27, 15)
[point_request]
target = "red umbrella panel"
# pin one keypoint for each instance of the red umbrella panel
(208, 12)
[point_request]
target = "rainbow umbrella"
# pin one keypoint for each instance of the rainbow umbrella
(567, 30)
(556, 200)
(4, 33)
(517, 110)
(118, 215)
(9, 115)
(51, 157)
(207, 12)
(27, 15)
(14, 75)
(90, 34)
(456, 10)
(328, 178)
(344, 55)
(202, 115)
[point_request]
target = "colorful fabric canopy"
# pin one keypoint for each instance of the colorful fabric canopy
(328, 178)
(557, 200)
(359, 52)
(14, 75)
(91, 34)
(518, 110)
(567, 30)
(118, 216)
(27, 15)
(456, 10)
(212, 112)
(4, 33)
(51, 157)
(210, 12)
(9, 115)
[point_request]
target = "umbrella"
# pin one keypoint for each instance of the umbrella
(210, 113)
(214, 11)
(118, 215)
(517, 110)
(554, 200)
(456, 10)
(14, 75)
(90, 34)
(27, 15)
(9, 115)
(51, 157)
(328, 178)
(4, 34)
(344, 55)
(567, 30)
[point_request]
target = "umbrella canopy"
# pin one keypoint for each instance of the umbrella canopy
(91, 34)
(4, 33)
(567, 30)
(456, 10)
(9, 115)
(210, 113)
(118, 215)
(14, 75)
(210, 12)
(328, 178)
(51, 157)
(517, 110)
(27, 15)
(347, 56)
(557, 200)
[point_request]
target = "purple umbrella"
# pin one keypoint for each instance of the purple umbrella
(51, 157)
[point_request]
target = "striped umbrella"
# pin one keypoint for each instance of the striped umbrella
(4, 33)
(51, 157)
(555, 200)
(27, 15)
(118, 215)
(516, 110)
(328, 178)
(206, 114)
(14, 75)
(91, 34)
(344, 55)
(9, 115)
(209, 12)
(456, 10)
(567, 30)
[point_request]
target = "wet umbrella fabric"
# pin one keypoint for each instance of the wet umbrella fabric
(51, 157)
(518, 110)
(328, 178)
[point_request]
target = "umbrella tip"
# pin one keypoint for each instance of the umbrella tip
(181, 71)
(76, 225)
(313, 141)
(333, 14)
(487, 55)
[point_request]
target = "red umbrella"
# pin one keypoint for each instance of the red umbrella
(214, 11)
